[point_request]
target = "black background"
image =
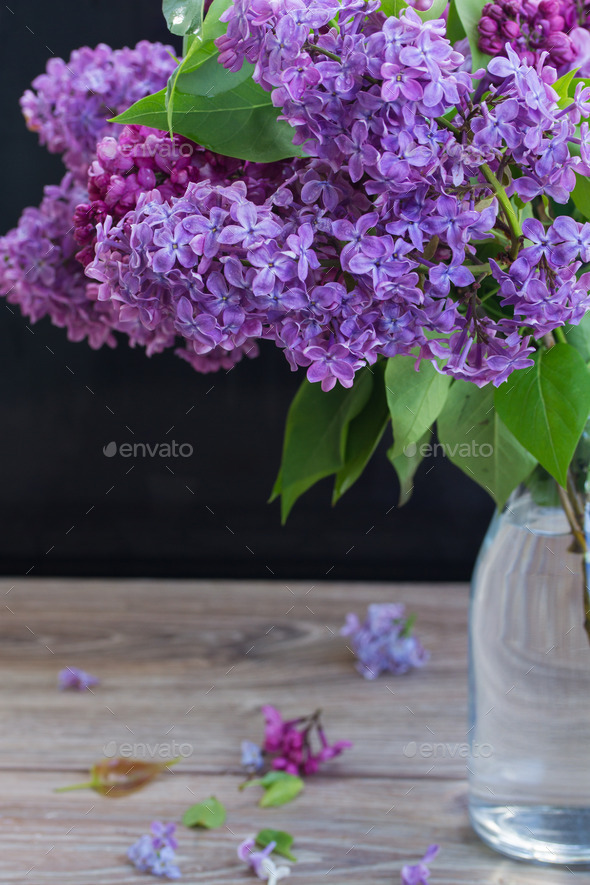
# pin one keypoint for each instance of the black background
(65, 508)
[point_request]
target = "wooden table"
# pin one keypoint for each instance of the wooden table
(186, 667)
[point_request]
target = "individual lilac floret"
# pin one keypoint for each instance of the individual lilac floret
(384, 643)
(417, 874)
(154, 853)
(74, 679)
(298, 746)
(261, 862)
(252, 758)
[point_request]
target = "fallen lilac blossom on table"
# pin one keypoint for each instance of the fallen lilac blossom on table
(252, 758)
(291, 743)
(154, 853)
(417, 874)
(384, 643)
(261, 862)
(74, 679)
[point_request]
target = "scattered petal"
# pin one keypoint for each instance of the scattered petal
(74, 679)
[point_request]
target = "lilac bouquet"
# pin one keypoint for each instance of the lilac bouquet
(396, 195)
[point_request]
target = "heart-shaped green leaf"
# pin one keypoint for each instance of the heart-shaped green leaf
(406, 465)
(547, 406)
(316, 436)
(364, 434)
(239, 122)
(475, 439)
(209, 814)
(415, 399)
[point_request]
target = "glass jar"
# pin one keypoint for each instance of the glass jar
(529, 768)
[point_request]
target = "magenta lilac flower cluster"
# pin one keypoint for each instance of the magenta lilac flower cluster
(558, 28)
(383, 642)
(70, 104)
(139, 160)
(155, 852)
(298, 746)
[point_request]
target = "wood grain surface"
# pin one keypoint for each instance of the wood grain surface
(185, 668)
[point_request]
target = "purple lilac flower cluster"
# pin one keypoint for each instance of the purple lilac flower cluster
(40, 274)
(290, 742)
(360, 251)
(560, 28)
(70, 103)
(154, 853)
(384, 643)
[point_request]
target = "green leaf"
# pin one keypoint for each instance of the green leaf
(212, 27)
(579, 337)
(406, 465)
(239, 122)
(547, 406)
(563, 87)
(392, 7)
(581, 195)
(477, 441)
(415, 399)
(455, 29)
(283, 842)
(316, 436)
(469, 12)
(200, 47)
(279, 786)
(183, 16)
(209, 814)
(435, 11)
(364, 434)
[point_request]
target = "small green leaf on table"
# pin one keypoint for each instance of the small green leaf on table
(283, 842)
(209, 814)
(279, 788)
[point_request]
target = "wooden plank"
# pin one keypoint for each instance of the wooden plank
(349, 831)
(186, 666)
